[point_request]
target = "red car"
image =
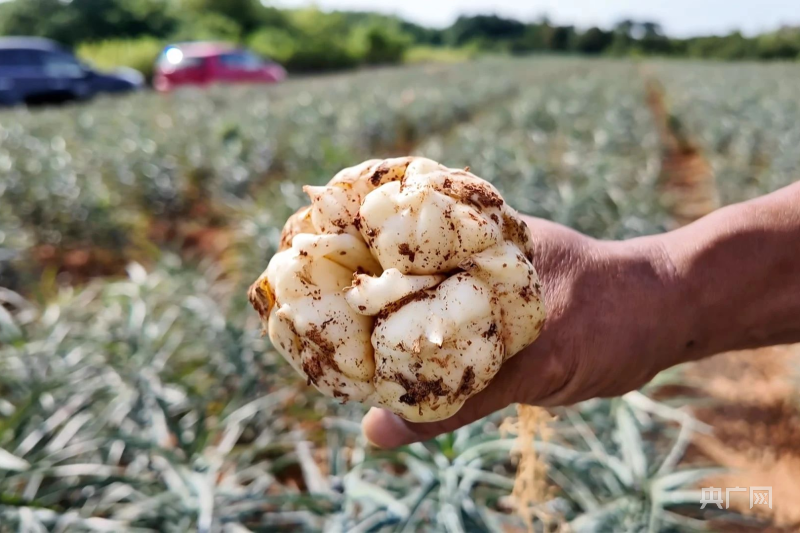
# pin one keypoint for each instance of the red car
(204, 64)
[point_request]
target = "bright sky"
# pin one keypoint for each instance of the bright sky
(678, 17)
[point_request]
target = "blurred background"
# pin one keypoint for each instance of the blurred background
(151, 150)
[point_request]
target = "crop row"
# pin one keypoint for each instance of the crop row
(94, 178)
(152, 402)
(745, 120)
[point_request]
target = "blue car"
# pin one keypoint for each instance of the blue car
(35, 70)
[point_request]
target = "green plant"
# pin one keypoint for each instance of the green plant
(437, 54)
(205, 26)
(379, 43)
(742, 119)
(149, 401)
(274, 43)
(604, 472)
(139, 54)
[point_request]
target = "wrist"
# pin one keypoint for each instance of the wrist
(736, 276)
(656, 303)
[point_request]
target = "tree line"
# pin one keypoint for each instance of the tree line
(311, 40)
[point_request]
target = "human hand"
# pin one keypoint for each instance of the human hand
(610, 329)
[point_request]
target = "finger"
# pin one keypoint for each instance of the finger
(387, 430)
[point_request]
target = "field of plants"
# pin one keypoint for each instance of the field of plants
(136, 393)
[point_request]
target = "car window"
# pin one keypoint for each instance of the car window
(20, 58)
(63, 66)
(241, 61)
(173, 63)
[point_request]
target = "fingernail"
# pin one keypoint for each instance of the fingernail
(385, 429)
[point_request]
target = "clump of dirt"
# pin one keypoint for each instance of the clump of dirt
(77, 264)
(530, 485)
(81, 263)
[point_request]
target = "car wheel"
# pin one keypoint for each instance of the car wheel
(81, 91)
(10, 99)
(8, 95)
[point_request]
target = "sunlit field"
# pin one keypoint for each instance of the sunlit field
(136, 391)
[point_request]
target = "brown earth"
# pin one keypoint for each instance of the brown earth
(687, 179)
(750, 398)
(79, 264)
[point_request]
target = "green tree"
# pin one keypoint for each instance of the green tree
(379, 43)
(560, 38)
(484, 28)
(86, 20)
(622, 38)
(312, 40)
(275, 43)
(422, 35)
(534, 38)
(653, 40)
(778, 45)
(207, 27)
(248, 15)
(730, 47)
(593, 41)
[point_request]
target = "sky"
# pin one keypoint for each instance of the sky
(680, 18)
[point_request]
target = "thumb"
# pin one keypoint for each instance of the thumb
(385, 429)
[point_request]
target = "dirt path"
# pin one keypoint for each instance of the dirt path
(687, 179)
(750, 398)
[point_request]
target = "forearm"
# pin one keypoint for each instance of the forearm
(736, 275)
